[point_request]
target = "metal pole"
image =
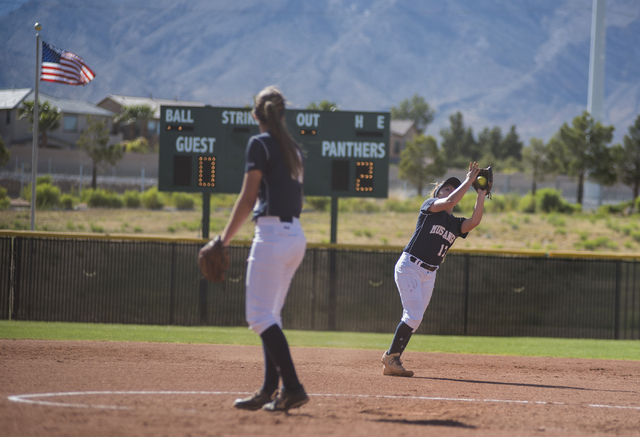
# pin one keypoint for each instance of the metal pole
(466, 294)
(334, 219)
(595, 99)
(36, 117)
(206, 215)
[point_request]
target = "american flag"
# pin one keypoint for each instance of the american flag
(64, 67)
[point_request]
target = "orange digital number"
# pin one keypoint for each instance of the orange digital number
(364, 176)
(207, 171)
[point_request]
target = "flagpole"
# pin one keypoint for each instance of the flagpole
(36, 117)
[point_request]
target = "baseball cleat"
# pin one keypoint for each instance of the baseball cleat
(255, 401)
(393, 366)
(285, 400)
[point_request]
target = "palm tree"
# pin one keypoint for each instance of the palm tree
(140, 114)
(49, 118)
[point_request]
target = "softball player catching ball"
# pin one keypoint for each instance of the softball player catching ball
(415, 271)
(273, 177)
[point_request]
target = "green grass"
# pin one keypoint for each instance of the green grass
(515, 346)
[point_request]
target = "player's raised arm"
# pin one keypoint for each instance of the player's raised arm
(476, 217)
(449, 196)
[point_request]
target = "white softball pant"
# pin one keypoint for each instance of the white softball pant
(276, 252)
(415, 286)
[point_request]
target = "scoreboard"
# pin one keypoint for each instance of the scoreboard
(202, 149)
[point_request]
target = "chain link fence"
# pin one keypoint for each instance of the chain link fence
(337, 288)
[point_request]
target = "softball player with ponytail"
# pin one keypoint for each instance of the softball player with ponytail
(273, 177)
(415, 271)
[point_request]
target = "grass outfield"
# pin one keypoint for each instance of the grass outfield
(518, 346)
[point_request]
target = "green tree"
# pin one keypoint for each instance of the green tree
(489, 141)
(627, 158)
(511, 146)
(48, 115)
(537, 162)
(5, 155)
(136, 115)
(581, 151)
(324, 105)
(94, 140)
(422, 162)
(416, 109)
(459, 144)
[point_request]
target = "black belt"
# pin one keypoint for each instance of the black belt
(288, 219)
(424, 265)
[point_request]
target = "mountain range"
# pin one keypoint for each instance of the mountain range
(498, 62)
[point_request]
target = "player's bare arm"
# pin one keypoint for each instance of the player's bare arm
(244, 205)
(448, 197)
(476, 217)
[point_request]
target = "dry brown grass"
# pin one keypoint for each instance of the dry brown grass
(510, 231)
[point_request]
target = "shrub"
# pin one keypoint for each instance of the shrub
(47, 195)
(556, 220)
(617, 208)
(546, 200)
(318, 203)
(550, 200)
(21, 226)
(222, 200)
(183, 201)
(354, 204)
(152, 199)
(96, 228)
(465, 206)
(45, 179)
(503, 203)
(397, 205)
(5, 202)
(527, 204)
(600, 242)
(139, 145)
(104, 199)
(67, 201)
(131, 199)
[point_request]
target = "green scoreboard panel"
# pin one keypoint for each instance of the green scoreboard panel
(202, 149)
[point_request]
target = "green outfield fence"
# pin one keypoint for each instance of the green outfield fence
(146, 280)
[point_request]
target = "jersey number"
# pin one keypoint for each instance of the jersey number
(443, 251)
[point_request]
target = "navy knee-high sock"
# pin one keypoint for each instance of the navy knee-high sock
(277, 347)
(400, 339)
(271, 376)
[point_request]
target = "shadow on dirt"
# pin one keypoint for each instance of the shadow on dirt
(449, 423)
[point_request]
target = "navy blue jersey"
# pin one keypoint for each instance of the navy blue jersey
(279, 194)
(435, 233)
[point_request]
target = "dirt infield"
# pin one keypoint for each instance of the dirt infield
(54, 388)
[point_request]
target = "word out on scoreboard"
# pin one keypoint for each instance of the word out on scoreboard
(202, 149)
